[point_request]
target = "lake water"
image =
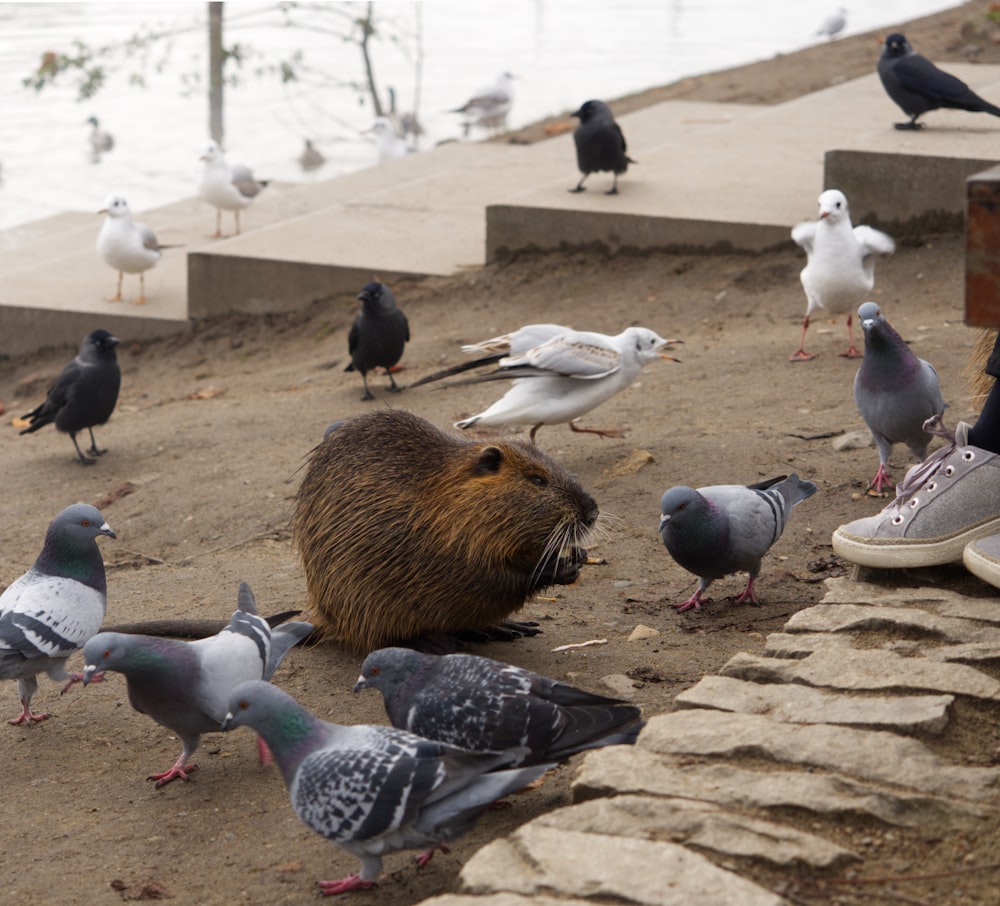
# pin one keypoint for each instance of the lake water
(561, 52)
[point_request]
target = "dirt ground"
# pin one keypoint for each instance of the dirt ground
(204, 449)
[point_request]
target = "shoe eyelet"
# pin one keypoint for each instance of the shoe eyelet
(949, 471)
(932, 486)
(897, 520)
(914, 503)
(968, 456)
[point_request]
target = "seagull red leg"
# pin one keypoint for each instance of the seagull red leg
(800, 354)
(852, 351)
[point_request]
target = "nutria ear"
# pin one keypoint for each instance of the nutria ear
(490, 460)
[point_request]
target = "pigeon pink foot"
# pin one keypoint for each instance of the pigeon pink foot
(179, 769)
(351, 882)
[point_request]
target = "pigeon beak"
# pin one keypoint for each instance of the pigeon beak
(107, 530)
(227, 721)
(664, 519)
(360, 684)
(88, 673)
(868, 323)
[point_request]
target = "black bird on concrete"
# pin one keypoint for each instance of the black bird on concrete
(600, 145)
(84, 394)
(917, 85)
(378, 335)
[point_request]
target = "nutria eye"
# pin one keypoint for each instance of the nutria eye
(539, 480)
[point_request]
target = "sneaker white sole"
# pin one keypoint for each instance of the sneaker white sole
(981, 566)
(903, 554)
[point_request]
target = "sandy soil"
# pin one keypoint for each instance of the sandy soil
(205, 446)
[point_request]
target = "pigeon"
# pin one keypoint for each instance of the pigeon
(185, 686)
(600, 145)
(833, 24)
(227, 187)
(50, 612)
(566, 376)
(100, 140)
(487, 706)
(390, 145)
(840, 266)
(311, 157)
(83, 395)
(372, 789)
(715, 531)
(488, 107)
(895, 391)
(916, 85)
(126, 246)
(378, 334)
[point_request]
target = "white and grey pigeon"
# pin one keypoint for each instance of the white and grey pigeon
(374, 790)
(227, 187)
(489, 706)
(388, 143)
(722, 529)
(55, 607)
(488, 107)
(378, 335)
(185, 686)
(895, 391)
(567, 375)
(840, 266)
(126, 246)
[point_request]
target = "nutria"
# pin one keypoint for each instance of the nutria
(407, 533)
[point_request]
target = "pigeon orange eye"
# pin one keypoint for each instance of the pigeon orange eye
(244, 706)
(376, 671)
(85, 522)
(107, 652)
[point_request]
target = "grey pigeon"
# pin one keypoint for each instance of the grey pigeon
(485, 705)
(917, 85)
(600, 144)
(51, 611)
(727, 528)
(84, 394)
(378, 335)
(895, 391)
(840, 265)
(185, 686)
(370, 789)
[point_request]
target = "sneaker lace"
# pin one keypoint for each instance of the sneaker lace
(921, 473)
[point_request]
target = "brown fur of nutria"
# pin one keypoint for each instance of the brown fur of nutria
(408, 532)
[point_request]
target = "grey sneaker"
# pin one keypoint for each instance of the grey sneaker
(950, 499)
(982, 559)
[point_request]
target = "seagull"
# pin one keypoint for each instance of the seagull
(833, 24)
(566, 376)
(917, 85)
(100, 139)
(311, 158)
(488, 107)
(840, 270)
(126, 246)
(227, 187)
(389, 144)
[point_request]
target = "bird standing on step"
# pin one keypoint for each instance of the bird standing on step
(378, 335)
(227, 187)
(127, 246)
(388, 142)
(840, 265)
(55, 607)
(84, 394)
(185, 686)
(895, 391)
(833, 24)
(488, 706)
(722, 529)
(917, 85)
(100, 140)
(488, 107)
(566, 376)
(311, 157)
(600, 144)
(374, 790)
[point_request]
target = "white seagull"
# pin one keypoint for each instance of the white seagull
(100, 139)
(227, 187)
(566, 376)
(388, 142)
(840, 270)
(126, 246)
(488, 107)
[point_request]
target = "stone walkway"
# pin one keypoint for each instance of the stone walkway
(828, 724)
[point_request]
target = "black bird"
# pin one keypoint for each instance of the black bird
(84, 394)
(600, 145)
(378, 335)
(917, 85)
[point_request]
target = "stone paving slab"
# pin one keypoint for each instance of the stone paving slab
(539, 859)
(845, 617)
(874, 755)
(802, 644)
(942, 601)
(618, 771)
(868, 669)
(792, 703)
